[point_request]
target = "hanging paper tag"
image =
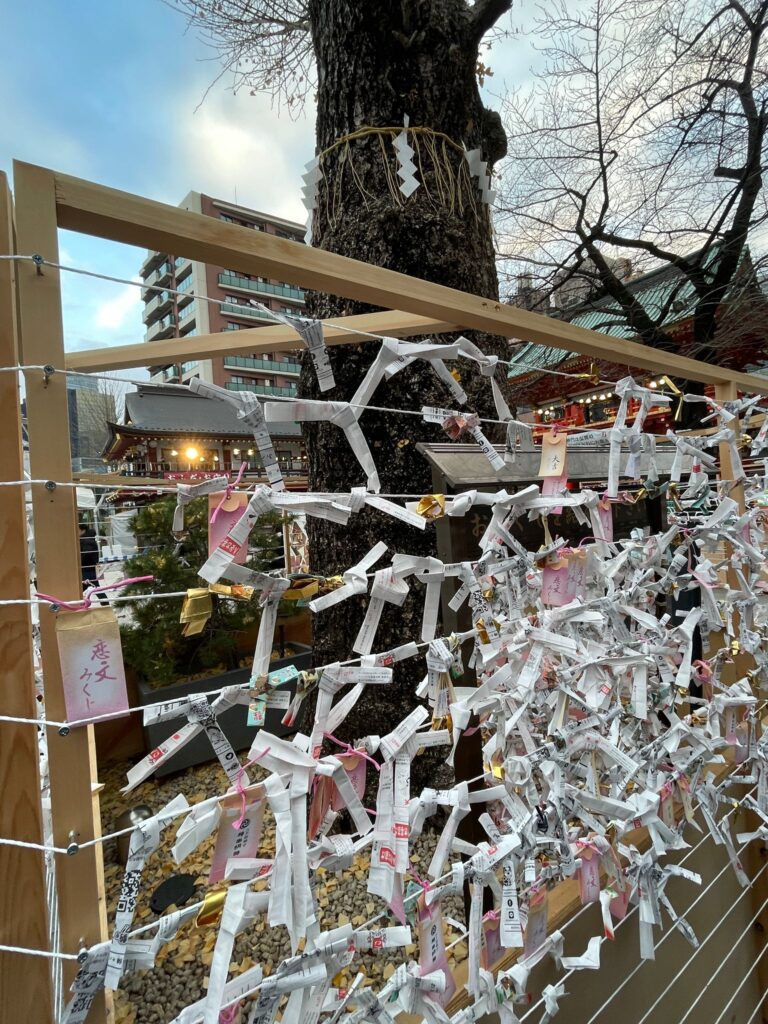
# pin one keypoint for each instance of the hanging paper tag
(91, 659)
(605, 519)
(432, 954)
(228, 512)
(238, 843)
(490, 949)
(355, 770)
(536, 925)
(553, 485)
(554, 586)
(577, 574)
(553, 454)
(589, 877)
(511, 928)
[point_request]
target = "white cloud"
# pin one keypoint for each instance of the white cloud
(119, 310)
(237, 147)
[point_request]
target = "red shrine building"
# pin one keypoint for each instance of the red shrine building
(556, 386)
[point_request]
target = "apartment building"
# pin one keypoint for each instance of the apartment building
(168, 315)
(179, 310)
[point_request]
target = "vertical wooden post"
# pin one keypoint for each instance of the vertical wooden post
(25, 981)
(72, 761)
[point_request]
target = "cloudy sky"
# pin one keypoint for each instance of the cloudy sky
(112, 92)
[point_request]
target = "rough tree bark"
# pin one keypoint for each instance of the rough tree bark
(377, 62)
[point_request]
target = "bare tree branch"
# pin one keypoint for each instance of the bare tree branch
(264, 44)
(486, 13)
(643, 138)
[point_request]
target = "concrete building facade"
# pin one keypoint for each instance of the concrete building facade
(167, 315)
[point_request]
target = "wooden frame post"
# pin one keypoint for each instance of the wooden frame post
(72, 760)
(26, 991)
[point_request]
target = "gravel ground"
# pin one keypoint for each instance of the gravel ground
(180, 974)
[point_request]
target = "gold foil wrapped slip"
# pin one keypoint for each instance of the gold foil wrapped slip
(236, 591)
(195, 611)
(431, 506)
(213, 904)
(302, 588)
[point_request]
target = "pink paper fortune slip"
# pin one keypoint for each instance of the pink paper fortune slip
(228, 512)
(91, 659)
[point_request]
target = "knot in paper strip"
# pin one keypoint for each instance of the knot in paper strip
(456, 426)
(248, 409)
(354, 581)
(431, 506)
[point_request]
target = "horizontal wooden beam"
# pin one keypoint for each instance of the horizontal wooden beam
(253, 340)
(108, 213)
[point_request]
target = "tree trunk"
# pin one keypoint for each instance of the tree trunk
(377, 62)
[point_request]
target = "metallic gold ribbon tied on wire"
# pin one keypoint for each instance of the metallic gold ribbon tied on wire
(195, 611)
(303, 587)
(431, 506)
(237, 591)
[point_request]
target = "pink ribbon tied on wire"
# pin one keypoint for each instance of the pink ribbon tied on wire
(456, 426)
(702, 671)
(85, 604)
(228, 491)
(239, 788)
(426, 886)
(350, 751)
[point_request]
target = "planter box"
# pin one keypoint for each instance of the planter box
(233, 722)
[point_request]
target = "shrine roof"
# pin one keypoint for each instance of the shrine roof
(175, 410)
(664, 294)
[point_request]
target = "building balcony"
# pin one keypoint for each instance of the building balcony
(164, 328)
(164, 271)
(248, 284)
(167, 375)
(150, 262)
(262, 389)
(184, 290)
(159, 303)
(247, 363)
(187, 312)
(235, 309)
(161, 275)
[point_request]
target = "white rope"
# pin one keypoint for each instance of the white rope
(696, 952)
(202, 805)
(368, 924)
(210, 802)
(38, 952)
(120, 597)
(743, 981)
(668, 935)
(40, 261)
(732, 945)
(635, 908)
(756, 1010)
(467, 635)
